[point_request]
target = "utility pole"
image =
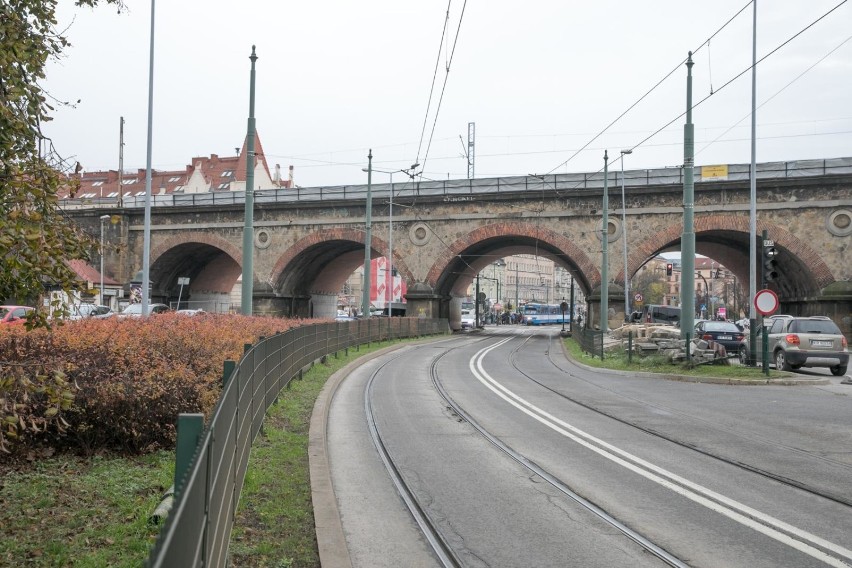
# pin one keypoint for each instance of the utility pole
(368, 238)
(517, 288)
(604, 256)
(120, 158)
(624, 239)
(248, 226)
(146, 228)
(471, 151)
(687, 241)
(572, 303)
(752, 249)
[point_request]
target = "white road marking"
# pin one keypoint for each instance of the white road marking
(747, 516)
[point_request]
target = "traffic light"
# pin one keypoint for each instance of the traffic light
(669, 269)
(770, 265)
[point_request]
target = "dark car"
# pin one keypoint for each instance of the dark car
(795, 342)
(723, 332)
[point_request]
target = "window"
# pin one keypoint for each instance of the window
(97, 183)
(140, 193)
(128, 181)
(227, 173)
(777, 325)
(224, 185)
(113, 194)
(173, 179)
(87, 195)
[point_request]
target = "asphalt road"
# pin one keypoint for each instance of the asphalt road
(708, 474)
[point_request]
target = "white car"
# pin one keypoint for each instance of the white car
(84, 311)
(468, 319)
(135, 310)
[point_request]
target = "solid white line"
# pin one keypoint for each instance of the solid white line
(717, 502)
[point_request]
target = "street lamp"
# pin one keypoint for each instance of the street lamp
(103, 218)
(624, 237)
(365, 292)
(390, 173)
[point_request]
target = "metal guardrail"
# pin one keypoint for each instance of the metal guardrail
(465, 189)
(197, 532)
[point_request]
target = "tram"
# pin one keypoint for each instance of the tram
(543, 314)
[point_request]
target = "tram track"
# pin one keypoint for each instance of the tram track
(429, 528)
(840, 499)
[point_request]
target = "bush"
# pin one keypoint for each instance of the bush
(116, 384)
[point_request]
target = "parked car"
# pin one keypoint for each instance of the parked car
(190, 312)
(468, 319)
(135, 310)
(722, 332)
(14, 314)
(84, 311)
(795, 342)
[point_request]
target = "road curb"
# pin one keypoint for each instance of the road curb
(784, 381)
(331, 540)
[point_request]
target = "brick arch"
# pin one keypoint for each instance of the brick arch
(514, 229)
(335, 234)
(736, 223)
(197, 237)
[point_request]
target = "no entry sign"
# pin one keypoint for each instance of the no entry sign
(766, 302)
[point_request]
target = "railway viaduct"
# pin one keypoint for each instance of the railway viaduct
(307, 241)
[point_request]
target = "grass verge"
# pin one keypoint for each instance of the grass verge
(93, 512)
(617, 360)
(274, 527)
(68, 511)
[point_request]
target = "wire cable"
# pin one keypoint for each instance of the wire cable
(778, 92)
(741, 73)
(434, 77)
(443, 88)
(651, 90)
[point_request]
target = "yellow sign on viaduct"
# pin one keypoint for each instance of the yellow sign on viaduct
(308, 241)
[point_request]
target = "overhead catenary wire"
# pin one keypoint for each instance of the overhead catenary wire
(778, 92)
(651, 90)
(432, 87)
(741, 73)
(443, 89)
(734, 78)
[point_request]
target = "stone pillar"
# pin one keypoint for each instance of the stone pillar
(422, 302)
(324, 305)
(615, 317)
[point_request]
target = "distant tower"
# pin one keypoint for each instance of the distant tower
(471, 136)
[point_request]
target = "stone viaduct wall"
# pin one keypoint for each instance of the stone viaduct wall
(305, 250)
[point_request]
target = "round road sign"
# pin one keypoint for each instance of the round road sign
(766, 302)
(638, 297)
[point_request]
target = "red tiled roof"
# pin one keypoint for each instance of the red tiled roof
(215, 169)
(89, 273)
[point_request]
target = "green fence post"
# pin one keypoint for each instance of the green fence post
(189, 430)
(630, 347)
(227, 371)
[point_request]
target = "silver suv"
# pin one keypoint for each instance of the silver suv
(815, 341)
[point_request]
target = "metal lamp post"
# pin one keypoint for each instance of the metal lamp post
(247, 293)
(624, 238)
(390, 223)
(103, 218)
(365, 293)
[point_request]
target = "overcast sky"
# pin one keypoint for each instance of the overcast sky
(540, 80)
